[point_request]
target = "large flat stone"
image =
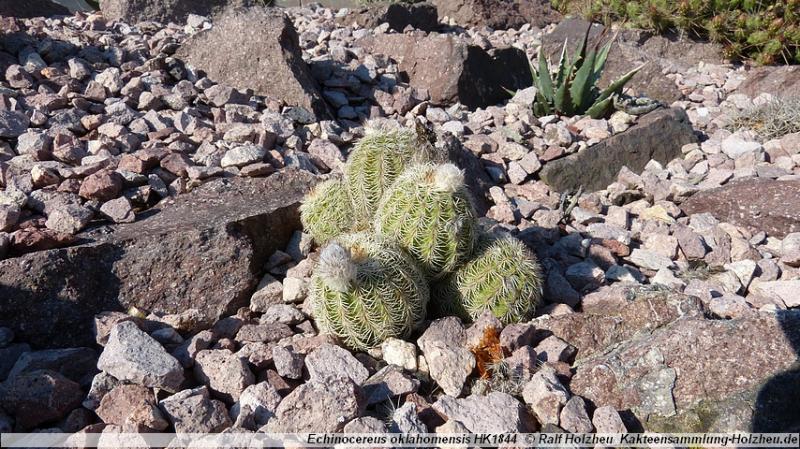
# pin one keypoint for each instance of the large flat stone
(498, 14)
(335, 4)
(495, 412)
(695, 366)
(658, 135)
(614, 314)
(204, 250)
(75, 5)
(772, 80)
(31, 8)
(759, 204)
(399, 15)
(134, 11)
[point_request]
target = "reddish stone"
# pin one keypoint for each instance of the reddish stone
(130, 162)
(203, 246)
(552, 153)
(104, 185)
(673, 368)
(176, 163)
(258, 169)
(70, 186)
(34, 239)
(610, 317)
(39, 397)
(618, 248)
(133, 407)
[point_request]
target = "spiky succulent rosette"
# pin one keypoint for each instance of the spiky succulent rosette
(503, 277)
(375, 163)
(327, 212)
(365, 290)
(430, 213)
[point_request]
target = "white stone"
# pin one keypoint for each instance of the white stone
(735, 146)
(401, 353)
(294, 289)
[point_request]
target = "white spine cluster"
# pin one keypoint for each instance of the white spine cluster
(448, 178)
(381, 126)
(336, 267)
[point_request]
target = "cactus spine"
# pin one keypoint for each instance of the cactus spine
(429, 212)
(365, 290)
(374, 164)
(503, 278)
(327, 212)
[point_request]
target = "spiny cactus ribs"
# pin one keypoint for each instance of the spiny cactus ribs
(327, 211)
(366, 290)
(503, 277)
(374, 164)
(429, 212)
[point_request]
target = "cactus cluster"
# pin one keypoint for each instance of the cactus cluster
(429, 212)
(327, 211)
(767, 31)
(374, 164)
(340, 206)
(395, 224)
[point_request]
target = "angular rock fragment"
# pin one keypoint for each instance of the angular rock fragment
(258, 49)
(193, 411)
(226, 374)
(318, 407)
(39, 397)
(132, 355)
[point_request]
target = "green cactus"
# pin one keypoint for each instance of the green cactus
(365, 290)
(763, 30)
(430, 213)
(503, 278)
(375, 162)
(327, 211)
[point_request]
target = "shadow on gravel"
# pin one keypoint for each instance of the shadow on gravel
(777, 406)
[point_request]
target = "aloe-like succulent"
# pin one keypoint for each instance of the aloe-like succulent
(365, 290)
(570, 88)
(503, 277)
(327, 211)
(375, 162)
(430, 213)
